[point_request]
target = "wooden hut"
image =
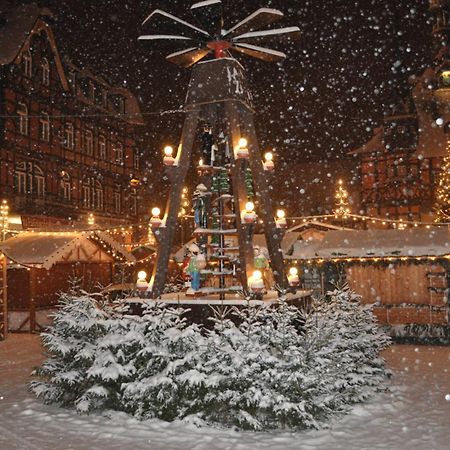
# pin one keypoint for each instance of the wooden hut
(405, 273)
(43, 264)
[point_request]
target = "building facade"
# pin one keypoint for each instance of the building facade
(69, 140)
(400, 165)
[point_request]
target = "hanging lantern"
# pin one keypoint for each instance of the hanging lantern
(134, 182)
(155, 221)
(242, 150)
(248, 214)
(256, 282)
(169, 160)
(293, 277)
(281, 219)
(141, 283)
(268, 163)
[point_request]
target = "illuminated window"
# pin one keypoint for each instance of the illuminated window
(69, 139)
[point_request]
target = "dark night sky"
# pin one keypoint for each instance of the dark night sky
(353, 60)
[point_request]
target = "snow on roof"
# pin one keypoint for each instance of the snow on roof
(378, 243)
(205, 3)
(286, 243)
(315, 224)
(375, 143)
(46, 249)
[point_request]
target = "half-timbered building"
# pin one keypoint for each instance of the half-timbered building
(400, 164)
(69, 140)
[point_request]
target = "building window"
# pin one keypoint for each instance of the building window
(45, 72)
(27, 63)
(133, 202)
(21, 178)
(87, 193)
(136, 159)
(44, 127)
(117, 200)
(105, 98)
(29, 179)
(118, 150)
(22, 112)
(66, 186)
(69, 136)
(39, 181)
(98, 195)
(88, 142)
(102, 147)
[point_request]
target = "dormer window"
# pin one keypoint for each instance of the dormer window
(27, 63)
(45, 72)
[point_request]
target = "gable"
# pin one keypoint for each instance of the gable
(42, 27)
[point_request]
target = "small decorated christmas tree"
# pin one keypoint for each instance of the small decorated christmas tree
(442, 203)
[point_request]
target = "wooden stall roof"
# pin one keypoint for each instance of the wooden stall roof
(413, 242)
(44, 249)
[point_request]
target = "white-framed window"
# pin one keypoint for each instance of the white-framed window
(22, 112)
(133, 202)
(118, 150)
(20, 174)
(29, 179)
(98, 195)
(39, 181)
(69, 138)
(66, 186)
(27, 63)
(44, 127)
(86, 192)
(102, 147)
(117, 200)
(136, 159)
(88, 142)
(45, 72)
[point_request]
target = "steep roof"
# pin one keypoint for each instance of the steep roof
(375, 144)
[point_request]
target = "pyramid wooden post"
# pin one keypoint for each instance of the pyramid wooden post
(218, 87)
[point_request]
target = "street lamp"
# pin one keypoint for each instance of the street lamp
(268, 163)
(242, 150)
(168, 160)
(281, 219)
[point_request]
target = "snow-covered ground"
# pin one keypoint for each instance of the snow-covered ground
(415, 415)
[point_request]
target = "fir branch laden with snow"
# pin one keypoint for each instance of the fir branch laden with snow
(259, 368)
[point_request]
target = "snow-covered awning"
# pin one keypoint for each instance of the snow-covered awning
(45, 249)
(413, 242)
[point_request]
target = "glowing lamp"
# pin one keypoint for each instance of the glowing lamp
(248, 214)
(268, 163)
(242, 150)
(4, 214)
(281, 219)
(141, 283)
(256, 282)
(155, 221)
(169, 160)
(91, 219)
(134, 182)
(293, 277)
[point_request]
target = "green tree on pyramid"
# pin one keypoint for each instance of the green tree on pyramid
(442, 202)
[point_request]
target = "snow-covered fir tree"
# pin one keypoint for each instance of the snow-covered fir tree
(259, 368)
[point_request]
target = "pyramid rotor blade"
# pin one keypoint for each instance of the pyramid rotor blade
(188, 57)
(165, 23)
(259, 19)
(265, 54)
(208, 14)
(288, 34)
(163, 37)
